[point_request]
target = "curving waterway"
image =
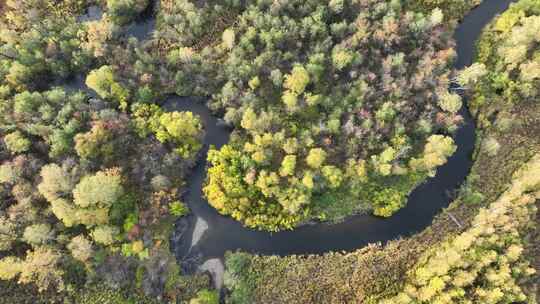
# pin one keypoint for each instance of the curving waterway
(201, 239)
(210, 235)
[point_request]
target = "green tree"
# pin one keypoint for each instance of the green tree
(101, 80)
(177, 208)
(183, 129)
(95, 143)
(316, 158)
(387, 201)
(55, 182)
(100, 190)
(450, 102)
(297, 80)
(228, 38)
(80, 248)
(38, 234)
(42, 267)
(436, 151)
(333, 176)
(16, 142)
(287, 165)
(10, 267)
(26, 103)
(105, 235)
(146, 118)
(146, 94)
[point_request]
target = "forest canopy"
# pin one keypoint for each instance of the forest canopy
(482, 248)
(90, 177)
(337, 108)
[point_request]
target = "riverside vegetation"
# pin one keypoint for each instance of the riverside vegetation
(482, 248)
(335, 110)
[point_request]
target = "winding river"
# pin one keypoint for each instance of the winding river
(201, 239)
(211, 235)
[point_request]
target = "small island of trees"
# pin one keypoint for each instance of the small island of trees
(338, 108)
